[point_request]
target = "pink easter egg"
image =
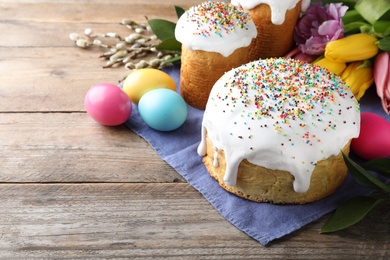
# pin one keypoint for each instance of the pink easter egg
(374, 138)
(108, 104)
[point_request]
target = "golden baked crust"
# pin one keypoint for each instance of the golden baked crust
(272, 40)
(200, 70)
(260, 184)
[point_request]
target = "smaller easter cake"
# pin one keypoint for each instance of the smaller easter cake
(275, 21)
(274, 131)
(215, 38)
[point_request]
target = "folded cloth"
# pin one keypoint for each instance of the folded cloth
(262, 221)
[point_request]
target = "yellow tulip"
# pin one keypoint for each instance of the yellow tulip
(335, 67)
(359, 77)
(352, 48)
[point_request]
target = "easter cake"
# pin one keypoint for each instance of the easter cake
(275, 21)
(274, 129)
(215, 38)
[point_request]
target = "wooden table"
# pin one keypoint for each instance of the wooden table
(71, 188)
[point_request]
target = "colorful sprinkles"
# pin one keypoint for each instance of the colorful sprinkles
(217, 18)
(293, 93)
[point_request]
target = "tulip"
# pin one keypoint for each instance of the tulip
(335, 67)
(382, 79)
(359, 77)
(318, 26)
(297, 54)
(352, 48)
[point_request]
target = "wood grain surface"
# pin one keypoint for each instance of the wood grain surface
(73, 189)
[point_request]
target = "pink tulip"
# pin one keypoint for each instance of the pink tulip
(382, 79)
(297, 54)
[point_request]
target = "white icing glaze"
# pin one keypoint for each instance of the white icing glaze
(205, 27)
(280, 114)
(305, 5)
(278, 7)
(216, 164)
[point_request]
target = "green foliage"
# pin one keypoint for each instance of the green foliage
(373, 11)
(179, 11)
(170, 44)
(165, 31)
(384, 44)
(363, 177)
(350, 213)
(367, 16)
(355, 209)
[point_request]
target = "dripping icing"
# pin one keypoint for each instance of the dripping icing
(215, 27)
(215, 163)
(278, 8)
(282, 138)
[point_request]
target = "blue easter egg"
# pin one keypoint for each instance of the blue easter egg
(163, 109)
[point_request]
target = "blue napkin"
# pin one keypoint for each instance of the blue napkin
(263, 222)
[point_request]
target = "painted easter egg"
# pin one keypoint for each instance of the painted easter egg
(108, 104)
(163, 109)
(374, 138)
(139, 82)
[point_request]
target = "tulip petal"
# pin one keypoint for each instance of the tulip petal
(359, 78)
(306, 57)
(352, 48)
(381, 73)
(386, 105)
(318, 26)
(292, 53)
(314, 46)
(337, 10)
(335, 67)
(387, 93)
(297, 54)
(328, 27)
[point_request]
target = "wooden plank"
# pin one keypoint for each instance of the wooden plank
(71, 147)
(18, 34)
(91, 12)
(51, 79)
(83, 2)
(71, 188)
(43, 23)
(152, 220)
(38, 34)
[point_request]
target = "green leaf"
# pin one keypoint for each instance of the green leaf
(354, 22)
(163, 29)
(363, 177)
(381, 166)
(352, 16)
(386, 16)
(350, 213)
(384, 44)
(365, 64)
(367, 29)
(170, 44)
(174, 59)
(355, 27)
(179, 11)
(371, 10)
(382, 28)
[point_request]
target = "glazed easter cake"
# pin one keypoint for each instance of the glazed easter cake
(215, 38)
(273, 131)
(275, 22)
